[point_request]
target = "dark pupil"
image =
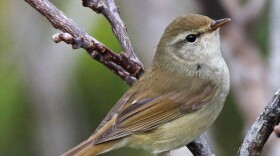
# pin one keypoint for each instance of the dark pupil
(191, 38)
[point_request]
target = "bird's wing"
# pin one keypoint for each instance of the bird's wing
(140, 111)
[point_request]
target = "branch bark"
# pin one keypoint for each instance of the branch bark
(200, 147)
(126, 69)
(262, 128)
(111, 12)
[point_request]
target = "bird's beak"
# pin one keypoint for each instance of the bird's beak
(218, 23)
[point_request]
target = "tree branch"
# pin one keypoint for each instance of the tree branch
(262, 128)
(200, 147)
(116, 62)
(90, 48)
(111, 12)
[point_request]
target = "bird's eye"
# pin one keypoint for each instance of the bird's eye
(191, 38)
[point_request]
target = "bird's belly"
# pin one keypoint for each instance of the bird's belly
(179, 132)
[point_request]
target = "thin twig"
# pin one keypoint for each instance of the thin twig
(88, 46)
(116, 62)
(111, 12)
(262, 128)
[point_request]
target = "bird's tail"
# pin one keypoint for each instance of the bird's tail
(87, 148)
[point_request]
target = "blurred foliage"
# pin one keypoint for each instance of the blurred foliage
(228, 128)
(14, 118)
(260, 31)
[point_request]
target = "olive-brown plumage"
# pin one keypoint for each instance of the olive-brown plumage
(177, 98)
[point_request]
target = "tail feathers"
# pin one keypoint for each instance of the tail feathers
(87, 148)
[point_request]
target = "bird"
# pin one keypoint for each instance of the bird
(176, 100)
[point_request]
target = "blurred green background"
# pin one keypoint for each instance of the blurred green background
(53, 97)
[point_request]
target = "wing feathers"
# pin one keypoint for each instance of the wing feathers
(143, 112)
